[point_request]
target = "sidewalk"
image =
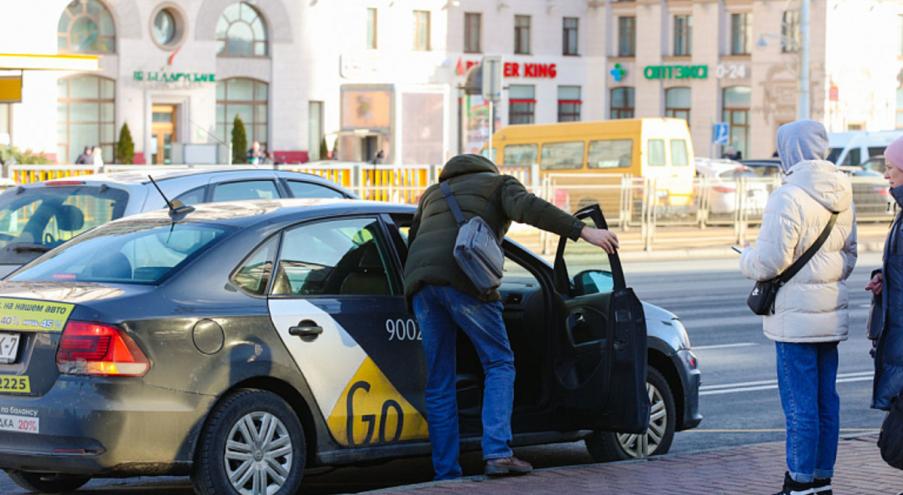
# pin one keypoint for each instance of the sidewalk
(747, 470)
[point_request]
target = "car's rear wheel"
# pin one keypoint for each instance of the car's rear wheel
(47, 482)
(609, 446)
(253, 444)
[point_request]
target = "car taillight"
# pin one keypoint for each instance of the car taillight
(100, 350)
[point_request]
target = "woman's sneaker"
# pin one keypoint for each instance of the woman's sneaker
(822, 486)
(792, 487)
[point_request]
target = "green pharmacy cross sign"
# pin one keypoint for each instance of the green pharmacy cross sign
(676, 71)
(174, 77)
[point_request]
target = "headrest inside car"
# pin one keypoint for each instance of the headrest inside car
(69, 218)
(370, 257)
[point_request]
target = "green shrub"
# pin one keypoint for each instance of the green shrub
(239, 141)
(125, 147)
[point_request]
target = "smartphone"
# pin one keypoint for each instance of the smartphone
(736, 249)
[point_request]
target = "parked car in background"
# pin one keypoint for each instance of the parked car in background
(870, 191)
(721, 180)
(856, 148)
(36, 218)
(6, 183)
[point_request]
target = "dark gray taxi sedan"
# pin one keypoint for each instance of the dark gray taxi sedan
(241, 343)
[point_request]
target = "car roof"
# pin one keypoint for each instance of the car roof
(160, 174)
(253, 212)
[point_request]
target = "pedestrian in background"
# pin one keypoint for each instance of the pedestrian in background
(811, 312)
(97, 156)
(85, 158)
(886, 323)
(445, 300)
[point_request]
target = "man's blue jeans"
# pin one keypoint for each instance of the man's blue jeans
(807, 375)
(440, 312)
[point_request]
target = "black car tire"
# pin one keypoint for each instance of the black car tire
(604, 446)
(209, 474)
(47, 482)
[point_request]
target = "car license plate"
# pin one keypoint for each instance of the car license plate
(9, 347)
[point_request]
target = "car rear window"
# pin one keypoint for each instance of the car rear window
(142, 252)
(41, 218)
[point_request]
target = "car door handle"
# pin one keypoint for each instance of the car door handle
(306, 329)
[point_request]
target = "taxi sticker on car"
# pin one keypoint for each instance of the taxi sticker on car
(20, 424)
(15, 385)
(30, 315)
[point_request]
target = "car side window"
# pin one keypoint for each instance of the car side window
(301, 189)
(346, 257)
(192, 197)
(245, 190)
(253, 276)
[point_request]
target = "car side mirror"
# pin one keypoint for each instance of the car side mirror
(593, 282)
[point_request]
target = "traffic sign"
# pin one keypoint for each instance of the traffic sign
(492, 77)
(721, 133)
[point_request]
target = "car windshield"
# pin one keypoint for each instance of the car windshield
(140, 252)
(36, 220)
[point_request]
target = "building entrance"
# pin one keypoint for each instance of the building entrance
(163, 133)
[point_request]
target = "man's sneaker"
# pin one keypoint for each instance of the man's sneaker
(792, 487)
(507, 466)
(822, 486)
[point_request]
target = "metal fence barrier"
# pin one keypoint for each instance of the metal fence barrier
(640, 206)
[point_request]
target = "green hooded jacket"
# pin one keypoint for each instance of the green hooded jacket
(481, 190)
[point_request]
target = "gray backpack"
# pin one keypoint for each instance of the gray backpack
(478, 251)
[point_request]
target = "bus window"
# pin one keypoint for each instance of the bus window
(611, 153)
(656, 151)
(557, 156)
(679, 155)
(520, 154)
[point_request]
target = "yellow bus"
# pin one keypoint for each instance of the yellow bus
(655, 148)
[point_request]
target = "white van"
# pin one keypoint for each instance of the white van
(855, 148)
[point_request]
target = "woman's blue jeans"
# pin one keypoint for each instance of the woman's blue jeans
(440, 312)
(807, 376)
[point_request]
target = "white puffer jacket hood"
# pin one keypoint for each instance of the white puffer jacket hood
(813, 305)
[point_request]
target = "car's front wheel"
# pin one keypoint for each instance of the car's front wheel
(609, 446)
(47, 482)
(253, 444)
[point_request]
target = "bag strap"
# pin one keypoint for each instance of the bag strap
(798, 264)
(452, 202)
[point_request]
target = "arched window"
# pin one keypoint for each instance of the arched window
(86, 26)
(677, 103)
(246, 98)
(622, 101)
(85, 116)
(241, 32)
(736, 103)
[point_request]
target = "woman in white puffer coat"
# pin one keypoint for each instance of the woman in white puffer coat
(810, 315)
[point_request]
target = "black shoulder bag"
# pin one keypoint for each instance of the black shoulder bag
(761, 299)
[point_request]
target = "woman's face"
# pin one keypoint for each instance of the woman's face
(893, 174)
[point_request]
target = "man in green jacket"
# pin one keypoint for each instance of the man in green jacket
(444, 300)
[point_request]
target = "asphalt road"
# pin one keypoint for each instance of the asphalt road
(739, 395)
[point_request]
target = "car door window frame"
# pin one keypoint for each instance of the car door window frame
(396, 287)
(288, 190)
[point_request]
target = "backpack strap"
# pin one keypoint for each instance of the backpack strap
(452, 202)
(798, 264)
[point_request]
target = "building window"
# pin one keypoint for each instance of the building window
(521, 103)
(372, 18)
(790, 31)
(570, 30)
(85, 116)
(677, 103)
(472, 32)
(247, 99)
(569, 103)
(683, 35)
(900, 108)
(86, 26)
(736, 103)
(741, 34)
(622, 103)
(316, 145)
(241, 32)
(626, 36)
(522, 34)
(167, 28)
(422, 30)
